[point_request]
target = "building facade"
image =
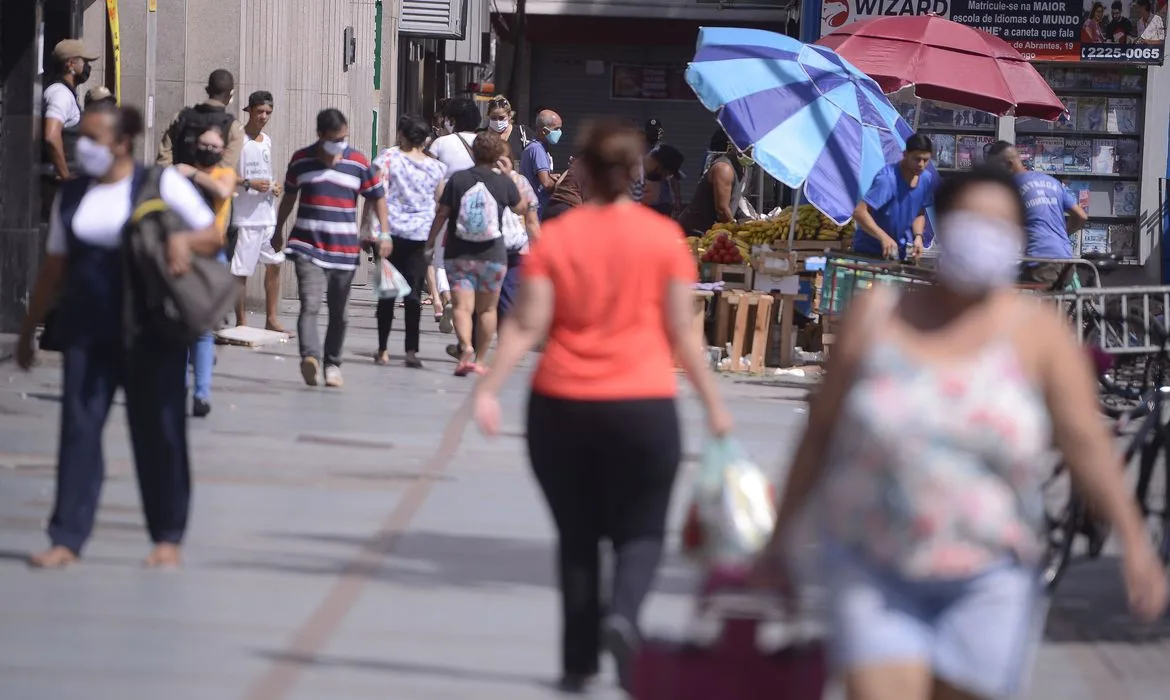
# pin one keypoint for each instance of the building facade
(157, 55)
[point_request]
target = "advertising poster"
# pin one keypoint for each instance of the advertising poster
(1043, 30)
(650, 82)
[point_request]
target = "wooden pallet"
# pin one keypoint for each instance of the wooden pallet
(743, 302)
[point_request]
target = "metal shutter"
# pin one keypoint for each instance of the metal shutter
(440, 19)
(560, 82)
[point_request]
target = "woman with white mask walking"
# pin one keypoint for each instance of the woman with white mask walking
(930, 435)
(84, 266)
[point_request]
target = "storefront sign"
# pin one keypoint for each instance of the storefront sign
(1044, 30)
(650, 82)
(837, 13)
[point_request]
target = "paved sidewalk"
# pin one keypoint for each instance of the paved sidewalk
(331, 557)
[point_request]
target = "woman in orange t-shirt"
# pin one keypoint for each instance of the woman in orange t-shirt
(609, 284)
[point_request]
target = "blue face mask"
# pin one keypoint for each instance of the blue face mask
(554, 136)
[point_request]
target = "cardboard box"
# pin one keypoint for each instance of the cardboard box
(780, 284)
(732, 276)
(773, 263)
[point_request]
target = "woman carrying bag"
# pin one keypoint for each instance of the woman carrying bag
(412, 180)
(609, 284)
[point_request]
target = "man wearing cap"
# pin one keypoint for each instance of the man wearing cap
(62, 115)
(662, 168)
(221, 86)
(254, 212)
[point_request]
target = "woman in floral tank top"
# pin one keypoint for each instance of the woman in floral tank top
(929, 441)
(412, 180)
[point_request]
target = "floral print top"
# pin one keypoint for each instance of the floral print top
(935, 471)
(410, 192)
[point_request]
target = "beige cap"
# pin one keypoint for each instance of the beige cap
(101, 92)
(72, 48)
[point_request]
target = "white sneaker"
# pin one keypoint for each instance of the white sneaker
(447, 323)
(333, 376)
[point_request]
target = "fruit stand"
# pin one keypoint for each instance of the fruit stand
(743, 263)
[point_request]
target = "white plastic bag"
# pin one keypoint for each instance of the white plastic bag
(733, 507)
(391, 283)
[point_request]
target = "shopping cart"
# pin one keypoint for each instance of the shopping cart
(846, 275)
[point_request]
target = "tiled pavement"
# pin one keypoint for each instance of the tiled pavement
(332, 556)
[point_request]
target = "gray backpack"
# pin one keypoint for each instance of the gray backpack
(176, 308)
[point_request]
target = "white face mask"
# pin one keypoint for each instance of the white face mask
(498, 125)
(979, 253)
(94, 158)
(335, 148)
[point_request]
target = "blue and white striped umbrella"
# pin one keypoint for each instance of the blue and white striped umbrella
(810, 118)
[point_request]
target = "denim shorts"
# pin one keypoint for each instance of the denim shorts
(479, 276)
(977, 634)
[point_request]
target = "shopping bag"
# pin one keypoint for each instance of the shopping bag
(391, 283)
(740, 647)
(733, 508)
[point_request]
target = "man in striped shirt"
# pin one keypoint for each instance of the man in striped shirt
(327, 177)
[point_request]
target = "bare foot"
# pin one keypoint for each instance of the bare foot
(382, 358)
(277, 328)
(53, 558)
(164, 556)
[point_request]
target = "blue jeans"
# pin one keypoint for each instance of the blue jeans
(201, 357)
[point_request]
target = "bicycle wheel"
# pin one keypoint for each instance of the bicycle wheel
(1064, 515)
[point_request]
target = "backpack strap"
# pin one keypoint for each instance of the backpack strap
(467, 146)
(147, 184)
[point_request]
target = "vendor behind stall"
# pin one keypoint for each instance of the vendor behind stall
(891, 218)
(1051, 213)
(718, 193)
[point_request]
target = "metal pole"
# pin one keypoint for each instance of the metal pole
(795, 211)
(151, 63)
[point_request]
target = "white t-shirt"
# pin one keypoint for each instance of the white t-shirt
(1155, 30)
(456, 156)
(252, 208)
(105, 208)
(61, 104)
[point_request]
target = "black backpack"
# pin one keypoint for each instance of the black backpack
(191, 123)
(180, 308)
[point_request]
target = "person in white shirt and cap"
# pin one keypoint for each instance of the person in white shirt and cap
(62, 116)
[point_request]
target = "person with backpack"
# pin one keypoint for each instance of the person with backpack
(216, 183)
(73, 64)
(458, 128)
(85, 266)
(470, 216)
(179, 140)
(328, 178)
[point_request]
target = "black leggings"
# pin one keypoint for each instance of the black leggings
(409, 259)
(607, 469)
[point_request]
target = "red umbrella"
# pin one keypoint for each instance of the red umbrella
(948, 62)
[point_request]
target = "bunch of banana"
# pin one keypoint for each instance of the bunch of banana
(810, 225)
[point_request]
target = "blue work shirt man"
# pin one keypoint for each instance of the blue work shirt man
(1051, 214)
(891, 218)
(536, 164)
